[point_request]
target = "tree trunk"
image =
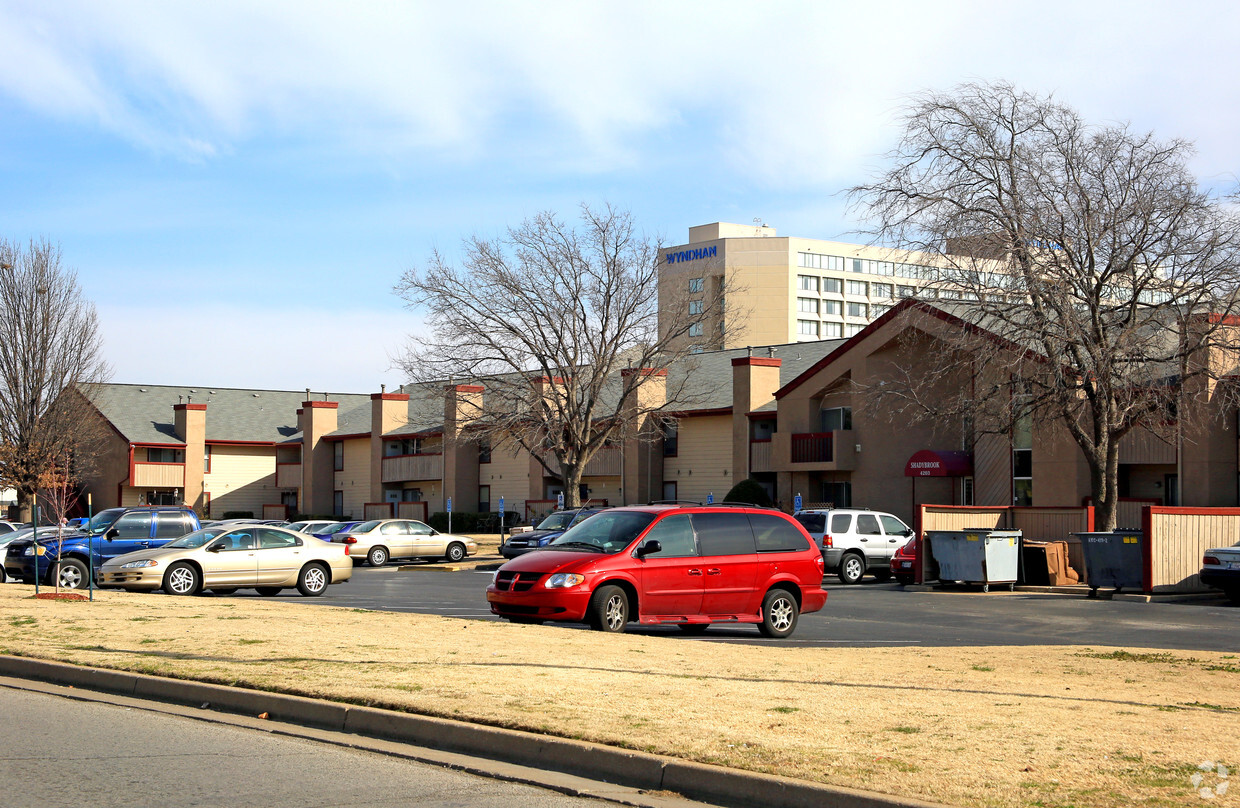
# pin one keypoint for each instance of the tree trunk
(571, 475)
(1104, 486)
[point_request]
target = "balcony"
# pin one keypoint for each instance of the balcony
(288, 475)
(158, 475)
(605, 463)
(408, 468)
(812, 451)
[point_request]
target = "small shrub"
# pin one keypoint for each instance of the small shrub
(238, 515)
(750, 491)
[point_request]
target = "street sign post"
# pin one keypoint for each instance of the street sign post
(449, 505)
(710, 498)
(796, 503)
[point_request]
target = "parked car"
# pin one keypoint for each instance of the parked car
(549, 528)
(1220, 568)
(688, 566)
(225, 559)
(5, 540)
(310, 526)
(111, 532)
(379, 540)
(8, 527)
(326, 533)
(854, 542)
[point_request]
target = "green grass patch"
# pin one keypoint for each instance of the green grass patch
(905, 730)
(1162, 658)
(244, 641)
(23, 621)
(983, 668)
(782, 709)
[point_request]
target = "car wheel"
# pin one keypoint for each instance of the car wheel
(181, 579)
(456, 551)
(4, 578)
(1233, 594)
(71, 574)
(905, 580)
(313, 580)
(779, 614)
(377, 556)
(268, 591)
(225, 591)
(609, 609)
(693, 628)
(852, 567)
(882, 575)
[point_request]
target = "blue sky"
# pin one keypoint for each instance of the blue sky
(240, 184)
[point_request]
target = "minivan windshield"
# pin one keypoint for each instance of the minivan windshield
(606, 532)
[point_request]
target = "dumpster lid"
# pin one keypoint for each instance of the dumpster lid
(932, 463)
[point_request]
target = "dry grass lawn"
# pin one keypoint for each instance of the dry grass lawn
(1047, 726)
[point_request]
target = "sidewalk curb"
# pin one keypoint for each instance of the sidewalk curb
(696, 781)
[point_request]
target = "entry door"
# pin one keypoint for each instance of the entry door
(235, 563)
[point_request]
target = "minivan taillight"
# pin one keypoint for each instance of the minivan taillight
(827, 541)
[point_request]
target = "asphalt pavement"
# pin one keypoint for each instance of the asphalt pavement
(870, 614)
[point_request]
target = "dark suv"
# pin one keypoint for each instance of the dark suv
(663, 564)
(550, 528)
(110, 533)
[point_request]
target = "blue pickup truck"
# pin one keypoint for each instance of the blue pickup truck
(109, 533)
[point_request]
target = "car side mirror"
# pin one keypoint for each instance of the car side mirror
(214, 548)
(649, 547)
(908, 532)
(111, 534)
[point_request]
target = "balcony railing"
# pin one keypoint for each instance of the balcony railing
(760, 455)
(813, 447)
(288, 475)
(406, 468)
(158, 475)
(605, 463)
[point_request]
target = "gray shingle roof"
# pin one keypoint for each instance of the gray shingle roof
(143, 412)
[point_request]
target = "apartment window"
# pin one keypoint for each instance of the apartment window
(484, 451)
(338, 456)
(695, 307)
(832, 307)
(484, 499)
(671, 439)
(816, 261)
(858, 288)
(206, 460)
(807, 328)
(853, 330)
(832, 330)
(807, 283)
(881, 290)
(833, 418)
(807, 305)
(858, 310)
(831, 286)
(165, 455)
(949, 294)
(337, 502)
(1022, 454)
(966, 490)
(878, 309)
(695, 330)
(837, 495)
(906, 291)
(695, 285)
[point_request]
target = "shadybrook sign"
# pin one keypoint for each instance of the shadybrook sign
(690, 255)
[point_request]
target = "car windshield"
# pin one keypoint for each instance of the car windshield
(103, 520)
(334, 527)
(196, 539)
(608, 532)
(556, 521)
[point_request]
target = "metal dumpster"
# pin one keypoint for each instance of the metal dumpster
(1113, 559)
(982, 556)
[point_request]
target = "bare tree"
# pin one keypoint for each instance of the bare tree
(51, 354)
(548, 318)
(1094, 274)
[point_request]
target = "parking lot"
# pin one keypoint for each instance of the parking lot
(870, 614)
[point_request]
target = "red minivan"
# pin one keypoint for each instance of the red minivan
(688, 566)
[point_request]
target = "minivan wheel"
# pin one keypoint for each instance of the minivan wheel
(71, 574)
(779, 614)
(852, 567)
(377, 556)
(609, 609)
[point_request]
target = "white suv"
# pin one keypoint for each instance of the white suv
(855, 541)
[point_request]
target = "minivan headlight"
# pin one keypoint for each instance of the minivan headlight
(564, 579)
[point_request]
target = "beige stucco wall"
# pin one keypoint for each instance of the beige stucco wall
(704, 458)
(604, 488)
(508, 474)
(354, 479)
(242, 478)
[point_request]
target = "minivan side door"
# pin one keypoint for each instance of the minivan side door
(729, 560)
(672, 580)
